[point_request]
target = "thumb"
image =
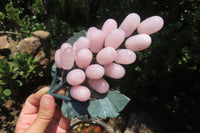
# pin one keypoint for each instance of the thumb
(44, 116)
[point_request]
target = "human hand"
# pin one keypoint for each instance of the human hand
(39, 115)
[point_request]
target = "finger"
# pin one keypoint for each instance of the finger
(44, 116)
(62, 91)
(57, 113)
(28, 113)
(59, 125)
(32, 103)
(63, 125)
(52, 128)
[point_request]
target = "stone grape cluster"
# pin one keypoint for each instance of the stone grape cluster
(103, 52)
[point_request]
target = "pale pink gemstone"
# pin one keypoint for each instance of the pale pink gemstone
(150, 25)
(106, 56)
(99, 85)
(94, 71)
(114, 70)
(81, 43)
(83, 58)
(108, 26)
(96, 41)
(57, 58)
(90, 31)
(80, 93)
(125, 56)
(65, 45)
(130, 23)
(115, 38)
(67, 58)
(75, 77)
(138, 42)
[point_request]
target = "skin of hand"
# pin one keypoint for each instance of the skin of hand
(40, 115)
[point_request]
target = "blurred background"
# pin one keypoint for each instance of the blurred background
(163, 83)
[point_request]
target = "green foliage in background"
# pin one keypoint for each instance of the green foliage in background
(25, 17)
(7, 77)
(25, 64)
(15, 17)
(16, 72)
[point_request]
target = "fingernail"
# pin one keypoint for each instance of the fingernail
(46, 101)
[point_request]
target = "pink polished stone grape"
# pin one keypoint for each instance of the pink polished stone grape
(96, 41)
(81, 43)
(90, 31)
(99, 85)
(130, 23)
(80, 93)
(67, 57)
(106, 56)
(57, 58)
(138, 42)
(83, 58)
(94, 71)
(108, 26)
(65, 45)
(150, 25)
(115, 38)
(125, 56)
(114, 70)
(75, 77)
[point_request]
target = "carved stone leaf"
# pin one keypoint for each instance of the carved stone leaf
(75, 37)
(75, 109)
(107, 106)
(103, 106)
(118, 100)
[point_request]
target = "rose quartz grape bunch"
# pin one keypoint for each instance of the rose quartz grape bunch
(103, 52)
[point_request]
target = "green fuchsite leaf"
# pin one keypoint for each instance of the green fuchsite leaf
(75, 37)
(108, 106)
(75, 109)
(101, 106)
(118, 100)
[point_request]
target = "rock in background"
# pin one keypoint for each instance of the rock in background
(7, 47)
(38, 45)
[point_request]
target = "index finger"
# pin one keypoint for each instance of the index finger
(32, 103)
